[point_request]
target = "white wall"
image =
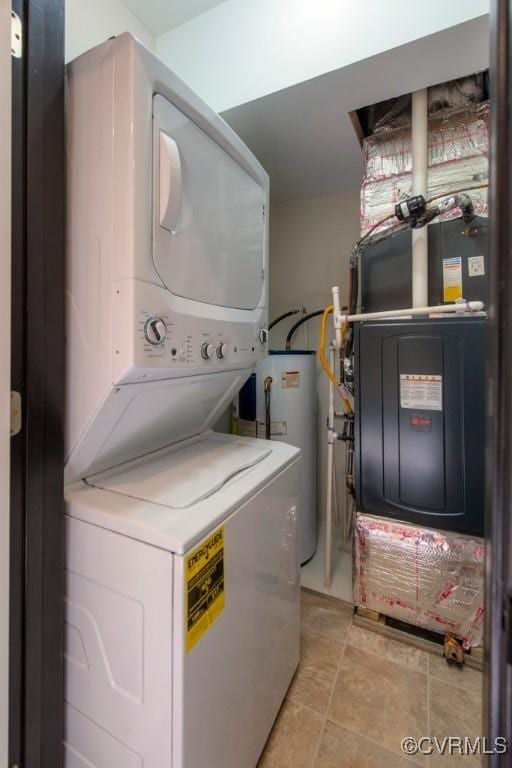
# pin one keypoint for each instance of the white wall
(310, 244)
(90, 22)
(242, 50)
(5, 363)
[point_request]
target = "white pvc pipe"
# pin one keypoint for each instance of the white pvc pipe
(419, 187)
(464, 307)
(330, 479)
(337, 311)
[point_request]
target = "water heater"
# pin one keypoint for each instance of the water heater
(291, 405)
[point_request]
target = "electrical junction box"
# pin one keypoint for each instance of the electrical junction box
(420, 420)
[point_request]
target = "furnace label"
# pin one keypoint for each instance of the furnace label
(421, 392)
(476, 266)
(290, 379)
(452, 279)
(204, 585)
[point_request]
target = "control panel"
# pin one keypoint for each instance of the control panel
(162, 339)
(155, 330)
(209, 350)
(167, 343)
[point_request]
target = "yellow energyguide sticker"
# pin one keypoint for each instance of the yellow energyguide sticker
(204, 586)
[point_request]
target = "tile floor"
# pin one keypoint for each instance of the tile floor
(356, 694)
(313, 573)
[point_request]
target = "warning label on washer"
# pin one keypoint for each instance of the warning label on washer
(422, 392)
(290, 379)
(204, 585)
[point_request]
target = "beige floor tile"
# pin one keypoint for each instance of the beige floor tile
(325, 616)
(393, 650)
(340, 748)
(454, 712)
(326, 601)
(312, 687)
(294, 739)
(380, 699)
(316, 648)
(467, 678)
(316, 675)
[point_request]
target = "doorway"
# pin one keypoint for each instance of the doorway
(37, 376)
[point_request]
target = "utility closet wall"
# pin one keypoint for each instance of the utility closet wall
(91, 22)
(310, 244)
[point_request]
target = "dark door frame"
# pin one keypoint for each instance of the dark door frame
(498, 638)
(37, 517)
(37, 539)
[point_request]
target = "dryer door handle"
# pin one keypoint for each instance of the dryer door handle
(170, 182)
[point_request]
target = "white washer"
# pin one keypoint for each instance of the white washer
(135, 695)
(182, 602)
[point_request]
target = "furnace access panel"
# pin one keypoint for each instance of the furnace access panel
(420, 420)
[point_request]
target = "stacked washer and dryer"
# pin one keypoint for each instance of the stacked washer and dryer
(182, 603)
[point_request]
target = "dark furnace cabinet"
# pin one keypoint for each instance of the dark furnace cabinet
(420, 420)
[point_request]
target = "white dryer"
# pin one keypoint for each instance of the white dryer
(182, 603)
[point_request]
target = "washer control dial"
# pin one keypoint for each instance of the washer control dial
(222, 350)
(207, 350)
(155, 330)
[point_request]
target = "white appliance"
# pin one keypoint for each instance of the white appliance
(182, 604)
(293, 415)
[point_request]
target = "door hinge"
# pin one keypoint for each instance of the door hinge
(16, 412)
(16, 36)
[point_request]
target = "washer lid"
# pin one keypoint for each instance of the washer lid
(186, 476)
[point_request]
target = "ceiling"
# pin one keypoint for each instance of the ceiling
(303, 135)
(161, 15)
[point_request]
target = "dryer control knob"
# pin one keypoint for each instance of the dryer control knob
(207, 350)
(263, 335)
(155, 330)
(222, 350)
